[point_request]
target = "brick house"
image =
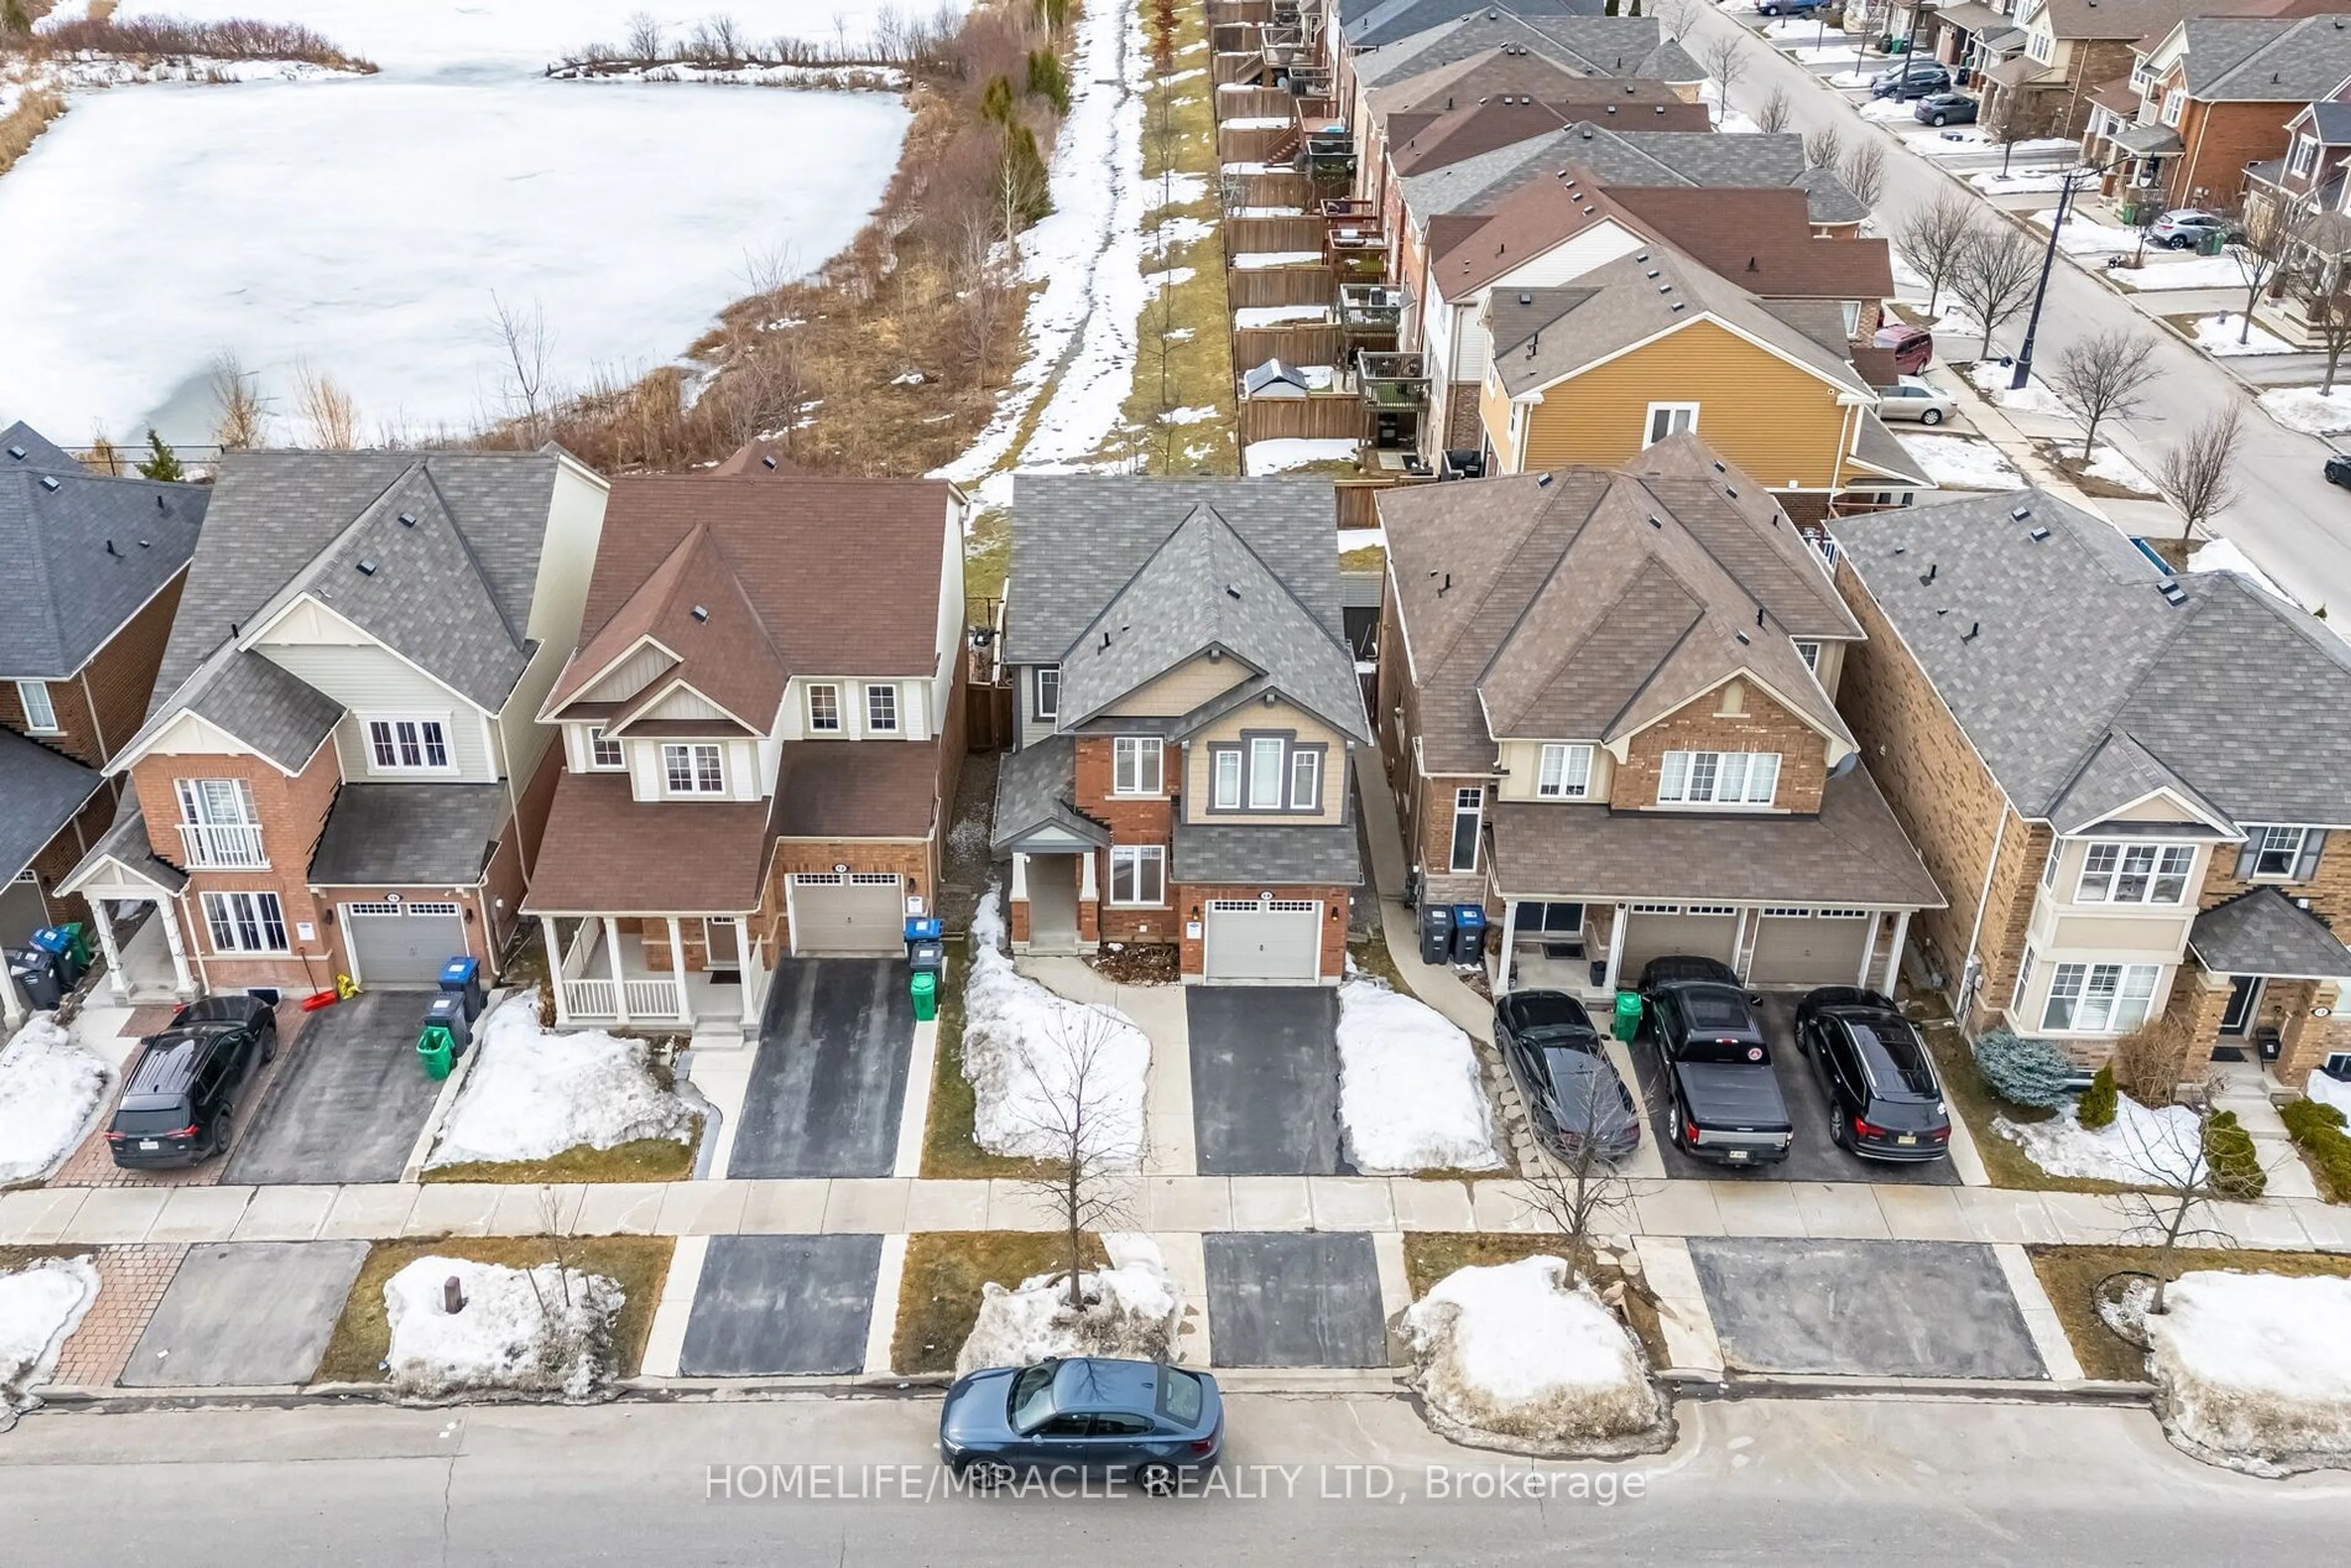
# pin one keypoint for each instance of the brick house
(95, 566)
(761, 727)
(1606, 709)
(1188, 717)
(2130, 784)
(340, 772)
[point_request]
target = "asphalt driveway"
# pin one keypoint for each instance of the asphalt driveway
(1281, 1299)
(1864, 1309)
(830, 1079)
(1265, 1080)
(350, 1105)
(245, 1314)
(1812, 1157)
(766, 1306)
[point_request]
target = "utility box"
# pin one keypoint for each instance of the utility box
(1436, 933)
(462, 976)
(1469, 934)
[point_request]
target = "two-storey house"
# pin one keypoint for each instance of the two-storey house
(341, 772)
(761, 727)
(95, 566)
(2070, 50)
(1189, 714)
(2130, 783)
(1606, 709)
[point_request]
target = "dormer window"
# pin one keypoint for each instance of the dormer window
(1565, 773)
(881, 710)
(824, 709)
(407, 744)
(693, 770)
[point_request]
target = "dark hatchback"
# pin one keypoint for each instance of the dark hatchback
(1884, 1101)
(1945, 109)
(181, 1090)
(1723, 1099)
(1133, 1420)
(1572, 1091)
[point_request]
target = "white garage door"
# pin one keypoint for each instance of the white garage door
(848, 915)
(1808, 946)
(1277, 941)
(1658, 930)
(403, 944)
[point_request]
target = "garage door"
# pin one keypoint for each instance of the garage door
(1808, 946)
(859, 914)
(1657, 930)
(402, 944)
(1282, 940)
(22, 910)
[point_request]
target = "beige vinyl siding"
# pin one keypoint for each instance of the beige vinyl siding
(1024, 703)
(631, 676)
(1199, 787)
(1522, 773)
(373, 683)
(685, 703)
(1181, 690)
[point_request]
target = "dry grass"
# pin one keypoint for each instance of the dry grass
(231, 38)
(938, 1297)
(23, 125)
(2008, 1165)
(642, 1159)
(1371, 558)
(638, 1264)
(2070, 1275)
(1430, 1255)
(949, 1150)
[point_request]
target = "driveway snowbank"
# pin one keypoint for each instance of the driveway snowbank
(49, 1087)
(532, 1331)
(41, 1304)
(1409, 1090)
(1133, 1310)
(2254, 1371)
(535, 1094)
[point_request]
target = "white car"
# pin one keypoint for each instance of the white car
(1910, 398)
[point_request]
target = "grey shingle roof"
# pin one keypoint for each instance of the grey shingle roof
(40, 790)
(2241, 695)
(1246, 852)
(381, 834)
(2262, 59)
(1399, 38)
(1035, 786)
(2260, 933)
(126, 841)
(62, 594)
(2330, 122)
(1687, 158)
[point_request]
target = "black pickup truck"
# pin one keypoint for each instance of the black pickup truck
(1722, 1101)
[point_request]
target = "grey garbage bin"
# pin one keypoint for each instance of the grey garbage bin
(36, 974)
(448, 1008)
(1436, 933)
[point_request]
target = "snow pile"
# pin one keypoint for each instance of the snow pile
(1259, 261)
(2084, 235)
(2218, 335)
(1199, 415)
(2308, 410)
(2254, 1371)
(2328, 1091)
(535, 1094)
(1517, 1357)
(1293, 452)
(1992, 182)
(2192, 272)
(1280, 315)
(41, 1304)
(1034, 1058)
(2139, 1147)
(2108, 463)
(535, 1331)
(1963, 463)
(1992, 379)
(1409, 1092)
(49, 1087)
(1133, 1310)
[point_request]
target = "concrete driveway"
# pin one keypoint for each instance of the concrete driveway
(1281, 1299)
(770, 1305)
(1864, 1309)
(1265, 1080)
(350, 1104)
(245, 1314)
(830, 1073)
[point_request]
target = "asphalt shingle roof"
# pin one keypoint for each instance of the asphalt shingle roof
(1036, 787)
(2245, 59)
(1703, 159)
(40, 790)
(1255, 852)
(380, 835)
(2260, 933)
(1416, 36)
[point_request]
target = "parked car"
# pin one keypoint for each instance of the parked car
(1913, 347)
(1722, 1101)
(181, 1090)
(2339, 470)
(1137, 1420)
(1913, 399)
(1805, 9)
(1884, 1101)
(1945, 109)
(2183, 228)
(1572, 1090)
(1924, 77)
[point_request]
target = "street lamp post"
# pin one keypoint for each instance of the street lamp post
(2048, 259)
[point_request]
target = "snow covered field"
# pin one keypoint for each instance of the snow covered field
(534, 1094)
(49, 1087)
(2255, 1369)
(1409, 1092)
(41, 1304)
(2308, 410)
(2139, 1147)
(360, 225)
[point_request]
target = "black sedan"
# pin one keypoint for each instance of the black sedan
(1923, 76)
(1945, 109)
(2339, 470)
(1884, 1099)
(1135, 1420)
(182, 1089)
(1724, 1102)
(1573, 1093)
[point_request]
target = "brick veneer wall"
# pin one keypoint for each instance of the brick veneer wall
(102, 706)
(910, 858)
(2328, 890)
(1762, 726)
(1335, 930)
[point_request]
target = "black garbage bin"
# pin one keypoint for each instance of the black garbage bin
(448, 1008)
(928, 956)
(1436, 933)
(1469, 934)
(462, 976)
(36, 974)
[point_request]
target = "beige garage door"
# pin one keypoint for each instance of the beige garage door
(1654, 931)
(1277, 941)
(1808, 947)
(851, 915)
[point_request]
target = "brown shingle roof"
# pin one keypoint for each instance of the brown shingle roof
(858, 789)
(1421, 142)
(605, 853)
(699, 610)
(1762, 240)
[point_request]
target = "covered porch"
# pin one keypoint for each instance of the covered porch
(2264, 984)
(695, 974)
(134, 902)
(1055, 899)
(1591, 949)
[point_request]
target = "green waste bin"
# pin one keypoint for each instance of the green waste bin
(1627, 1023)
(76, 942)
(433, 1048)
(925, 987)
(2126, 213)
(2212, 242)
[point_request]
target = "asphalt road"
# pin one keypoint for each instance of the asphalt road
(1764, 1480)
(2293, 524)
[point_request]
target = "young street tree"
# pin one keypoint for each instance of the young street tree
(1724, 57)
(2273, 233)
(1928, 238)
(1679, 16)
(1992, 274)
(2176, 1161)
(1086, 1143)
(1824, 146)
(1862, 171)
(2101, 376)
(2326, 305)
(2197, 472)
(1581, 1192)
(1773, 115)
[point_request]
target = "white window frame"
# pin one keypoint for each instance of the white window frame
(2303, 157)
(2300, 840)
(196, 803)
(2106, 884)
(880, 709)
(1128, 755)
(239, 922)
(2174, 103)
(1470, 803)
(816, 721)
(40, 713)
(1564, 772)
(2023, 980)
(2041, 46)
(1810, 654)
(1049, 679)
(693, 754)
(2099, 999)
(1266, 776)
(1674, 425)
(1703, 778)
(1139, 861)
(385, 735)
(1225, 778)
(597, 740)
(2049, 866)
(1306, 778)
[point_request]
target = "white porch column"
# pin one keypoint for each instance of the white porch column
(1510, 936)
(755, 978)
(182, 983)
(613, 954)
(1894, 958)
(1739, 941)
(1615, 945)
(1020, 881)
(555, 970)
(116, 980)
(1089, 889)
(1869, 947)
(14, 1009)
(677, 967)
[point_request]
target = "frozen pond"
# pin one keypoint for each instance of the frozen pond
(360, 226)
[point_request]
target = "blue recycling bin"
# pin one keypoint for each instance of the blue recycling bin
(922, 928)
(462, 976)
(1469, 934)
(58, 943)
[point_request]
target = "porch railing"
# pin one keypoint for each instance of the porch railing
(653, 1000)
(222, 844)
(590, 998)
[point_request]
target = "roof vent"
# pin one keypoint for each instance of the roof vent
(1105, 644)
(1752, 267)
(1758, 615)
(1587, 211)
(1680, 305)
(768, 461)
(17, 453)
(142, 544)
(1651, 273)
(1975, 630)
(367, 566)
(1741, 636)
(1587, 132)
(701, 613)
(1612, 109)
(162, 505)
(407, 519)
(1718, 467)
(1665, 288)
(2037, 533)
(1927, 579)
(1445, 586)
(1661, 109)
(1654, 522)
(1231, 592)
(1525, 298)
(2019, 515)
(48, 481)
(1643, 256)
(1729, 492)
(113, 551)
(2172, 592)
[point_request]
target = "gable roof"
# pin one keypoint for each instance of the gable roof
(83, 552)
(41, 791)
(1422, 142)
(1613, 156)
(695, 607)
(2266, 59)
(2239, 697)
(2261, 933)
(1587, 603)
(1504, 72)
(1594, 44)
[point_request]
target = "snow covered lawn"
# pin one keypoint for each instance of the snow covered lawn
(1517, 1357)
(2308, 410)
(1261, 260)
(1293, 452)
(2085, 236)
(1278, 315)
(1133, 1312)
(48, 1088)
(2219, 334)
(1963, 463)
(2140, 1147)
(2326, 1091)
(2018, 182)
(1409, 1090)
(2254, 1371)
(2190, 272)
(2222, 555)
(41, 1304)
(535, 1094)
(1991, 378)
(537, 1330)
(2108, 463)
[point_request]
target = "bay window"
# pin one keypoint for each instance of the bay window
(2134, 874)
(2098, 998)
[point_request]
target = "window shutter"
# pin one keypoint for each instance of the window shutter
(2249, 854)
(2312, 843)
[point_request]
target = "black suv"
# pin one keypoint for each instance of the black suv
(1723, 1101)
(1884, 1099)
(180, 1092)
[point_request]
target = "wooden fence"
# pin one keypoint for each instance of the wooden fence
(1308, 343)
(1255, 103)
(1358, 500)
(1318, 416)
(1270, 190)
(1245, 234)
(1262, 286)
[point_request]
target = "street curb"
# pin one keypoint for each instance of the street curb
(1824, 1385)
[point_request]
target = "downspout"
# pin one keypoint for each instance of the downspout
(105, 752)
(1983, 901)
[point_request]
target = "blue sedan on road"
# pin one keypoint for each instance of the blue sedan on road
(1134, 1419)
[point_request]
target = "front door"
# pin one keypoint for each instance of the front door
(2244, 1004)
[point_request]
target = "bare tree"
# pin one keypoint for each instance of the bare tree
(1862, 171)
(1992, 275)
(1773, 115)
(1679, 17)
(2273, 233)
(725, 37)
(1928, 238)
(2197, 472)
(644, 37)
(328, 410)
(2326, 305)
(769, 270)
(1724, 56)
(1823, 147)
(1578, 1191)
(1086, 1145)
(240, 414)
(529, 346)
(2102, 375)
(2173, 1157)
